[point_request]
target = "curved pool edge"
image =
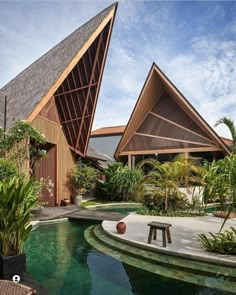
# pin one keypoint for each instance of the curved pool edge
(175, 267)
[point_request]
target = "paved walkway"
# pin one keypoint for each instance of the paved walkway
(48, 213)
(73, 212)
(184, 233)
(95, 215)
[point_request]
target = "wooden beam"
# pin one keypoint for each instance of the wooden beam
(75, 119)
(172, 151)
(172, 139)
(147, 105)
(179, 97)
(68, 108)
(105, 50)
(74, 90)
(88, 93)
(70, 67)
(180, 126)
(76, 151)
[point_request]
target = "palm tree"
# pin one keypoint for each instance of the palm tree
(232, 128)
(167, 177)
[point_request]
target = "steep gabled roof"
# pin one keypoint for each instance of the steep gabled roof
(70, 73)
(37, 83)
(108, 131)
(163, 121)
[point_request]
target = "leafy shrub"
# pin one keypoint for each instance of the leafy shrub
(82, 178)
(16, 202)
(156, 201)
(223, 243)
(166, 178)
(22, 143)
(121, 183)
(7, 169)
(170, 213)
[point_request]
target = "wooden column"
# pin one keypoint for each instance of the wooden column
(186, 155)
(129, 161)
(132, 161)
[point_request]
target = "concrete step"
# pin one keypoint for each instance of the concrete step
(173, 267)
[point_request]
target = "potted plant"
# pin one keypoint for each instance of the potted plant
(81, 179)
(16, 201)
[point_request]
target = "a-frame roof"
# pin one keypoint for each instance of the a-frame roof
(163, 121)
(29, 92)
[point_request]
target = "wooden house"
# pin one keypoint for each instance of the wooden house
(163, 124)
(58, 94)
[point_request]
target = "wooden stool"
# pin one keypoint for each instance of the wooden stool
(164, 227)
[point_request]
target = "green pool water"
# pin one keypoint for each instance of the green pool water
(59, 257)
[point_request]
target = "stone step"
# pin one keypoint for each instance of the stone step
(160, 258)
(165, 265)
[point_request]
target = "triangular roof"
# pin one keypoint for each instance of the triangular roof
(30, 91)
(163, 121)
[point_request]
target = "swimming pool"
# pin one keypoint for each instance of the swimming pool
(60, 258)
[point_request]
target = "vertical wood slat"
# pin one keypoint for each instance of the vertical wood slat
(88, 93)
(100, 76)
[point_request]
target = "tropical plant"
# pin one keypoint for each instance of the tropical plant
(81, 178)
(232, 128)
(165, 179)
(7, 169)
(21, 144)
(220, 181)
(122, 183)
(156, 201)
(223, 243)
(15, 213)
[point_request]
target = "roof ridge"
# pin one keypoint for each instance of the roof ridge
(60, 42)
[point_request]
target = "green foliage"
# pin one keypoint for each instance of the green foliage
(156, 201)
(82, 178)
(22, 143)
(16, 202)
(223, 243)
(170, 213)
(232, 128)
(7, 169)
(121, 183)
(165, 179)
(220, 182)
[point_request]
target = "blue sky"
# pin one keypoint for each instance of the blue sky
(194, 43)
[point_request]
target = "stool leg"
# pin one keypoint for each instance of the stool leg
(150, 236)
(164, 238)
(168, 235)
(155, 234)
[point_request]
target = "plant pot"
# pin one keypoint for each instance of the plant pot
(223, 214)
(121, 227)
(65, 202)
(78, 200)
(12, 265)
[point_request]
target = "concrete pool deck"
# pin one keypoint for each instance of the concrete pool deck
(184, 234)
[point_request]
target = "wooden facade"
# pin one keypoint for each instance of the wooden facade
(164, 122)
(66, 118)
(58, 94)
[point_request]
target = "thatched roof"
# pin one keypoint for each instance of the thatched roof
(26, 90)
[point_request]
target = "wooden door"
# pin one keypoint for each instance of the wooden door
(47, 168)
